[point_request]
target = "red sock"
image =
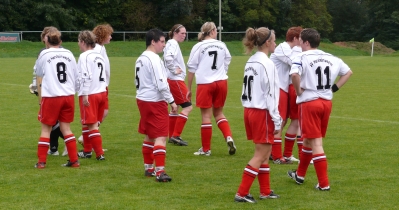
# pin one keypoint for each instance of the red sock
(248, 178)
(264, 179)
(289, 142)
(320, 165)
(224, 126)
(42, 148)
(147, 151)
(304, 161)
(159, 157)
(70, 142)
(299, 143)
(206, 136)
(276, 149)
(172, 123)
(180, 122)
(97, 142)
(87, 147)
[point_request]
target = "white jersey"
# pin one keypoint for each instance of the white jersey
(101, 49)
(174, 59)
(318, 71)
(209, 60)
(282, 58)
(151, 79)
(260, 88)
(92, 76)
(57, 67)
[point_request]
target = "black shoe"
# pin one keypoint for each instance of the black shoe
(83, 154)
(248, 198)
(322, 189)
(163, 177)
(71, 164)
(271, 195)
(101, 157)
(177, 140)
(292, 174)
(148, 173)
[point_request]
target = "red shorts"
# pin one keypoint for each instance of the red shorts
(179, 91)
(211, 95)
(313, 118)
(106, 99)
(95, 112)
(53, 109)
(154, 118)
(292, 106)
(259, 125)
(283, 105)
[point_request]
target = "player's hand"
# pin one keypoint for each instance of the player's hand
(173, 106)
(188, 96)
(300, 92)
(178, 70)
(33, 89)
(276, 132)
(86, 100)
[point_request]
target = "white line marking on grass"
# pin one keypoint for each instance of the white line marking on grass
(14, 84)
(368, 120)
(123, 95)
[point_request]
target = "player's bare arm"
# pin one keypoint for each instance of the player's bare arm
(296, 81)
(39, 88)
(343, 79)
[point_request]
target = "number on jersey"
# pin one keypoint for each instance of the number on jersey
(247, 94)
(320, 78)
(215, 55)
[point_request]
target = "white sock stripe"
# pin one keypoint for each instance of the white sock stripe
(251, 171)
(206, 125)
(173, 115)
(289, 138)
(182, 115)
(44, 143)
(307, 151)
(159, 151)
(94, 134)
(319, 157)
(85, 131)
(264, 169)
(70, 138)
(221, 120)
(277, 141)
(148, 145)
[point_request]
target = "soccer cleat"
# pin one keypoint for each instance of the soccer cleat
(83, 154)
(232, 146)
(170, 140)
(163, 177)
(201, 152)
(149, 173)
(177, 140)
(56, 153)
(282, 161)
(101, 157)
(40, 165)
(270, 196)
(65, 152)
(71, 164)
(292, 174)
(317, 187)
(248, 198)
(292, 159)
(270, 157)
(80, 140)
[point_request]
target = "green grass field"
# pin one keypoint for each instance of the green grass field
(361, 148)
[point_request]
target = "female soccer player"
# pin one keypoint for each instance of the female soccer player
(260, 96)
(57, 78)
(209, 62)
(174, 62)
(92, 92)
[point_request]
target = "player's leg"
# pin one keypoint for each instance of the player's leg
(55, 133)
(43, 145)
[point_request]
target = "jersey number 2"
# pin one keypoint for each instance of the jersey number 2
(320, 86)
(247, 95)
(100, 66)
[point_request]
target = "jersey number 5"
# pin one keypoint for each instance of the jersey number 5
(320, 77)
(247, 93)
(137, 78)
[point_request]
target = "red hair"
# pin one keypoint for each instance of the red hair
(293, 32)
